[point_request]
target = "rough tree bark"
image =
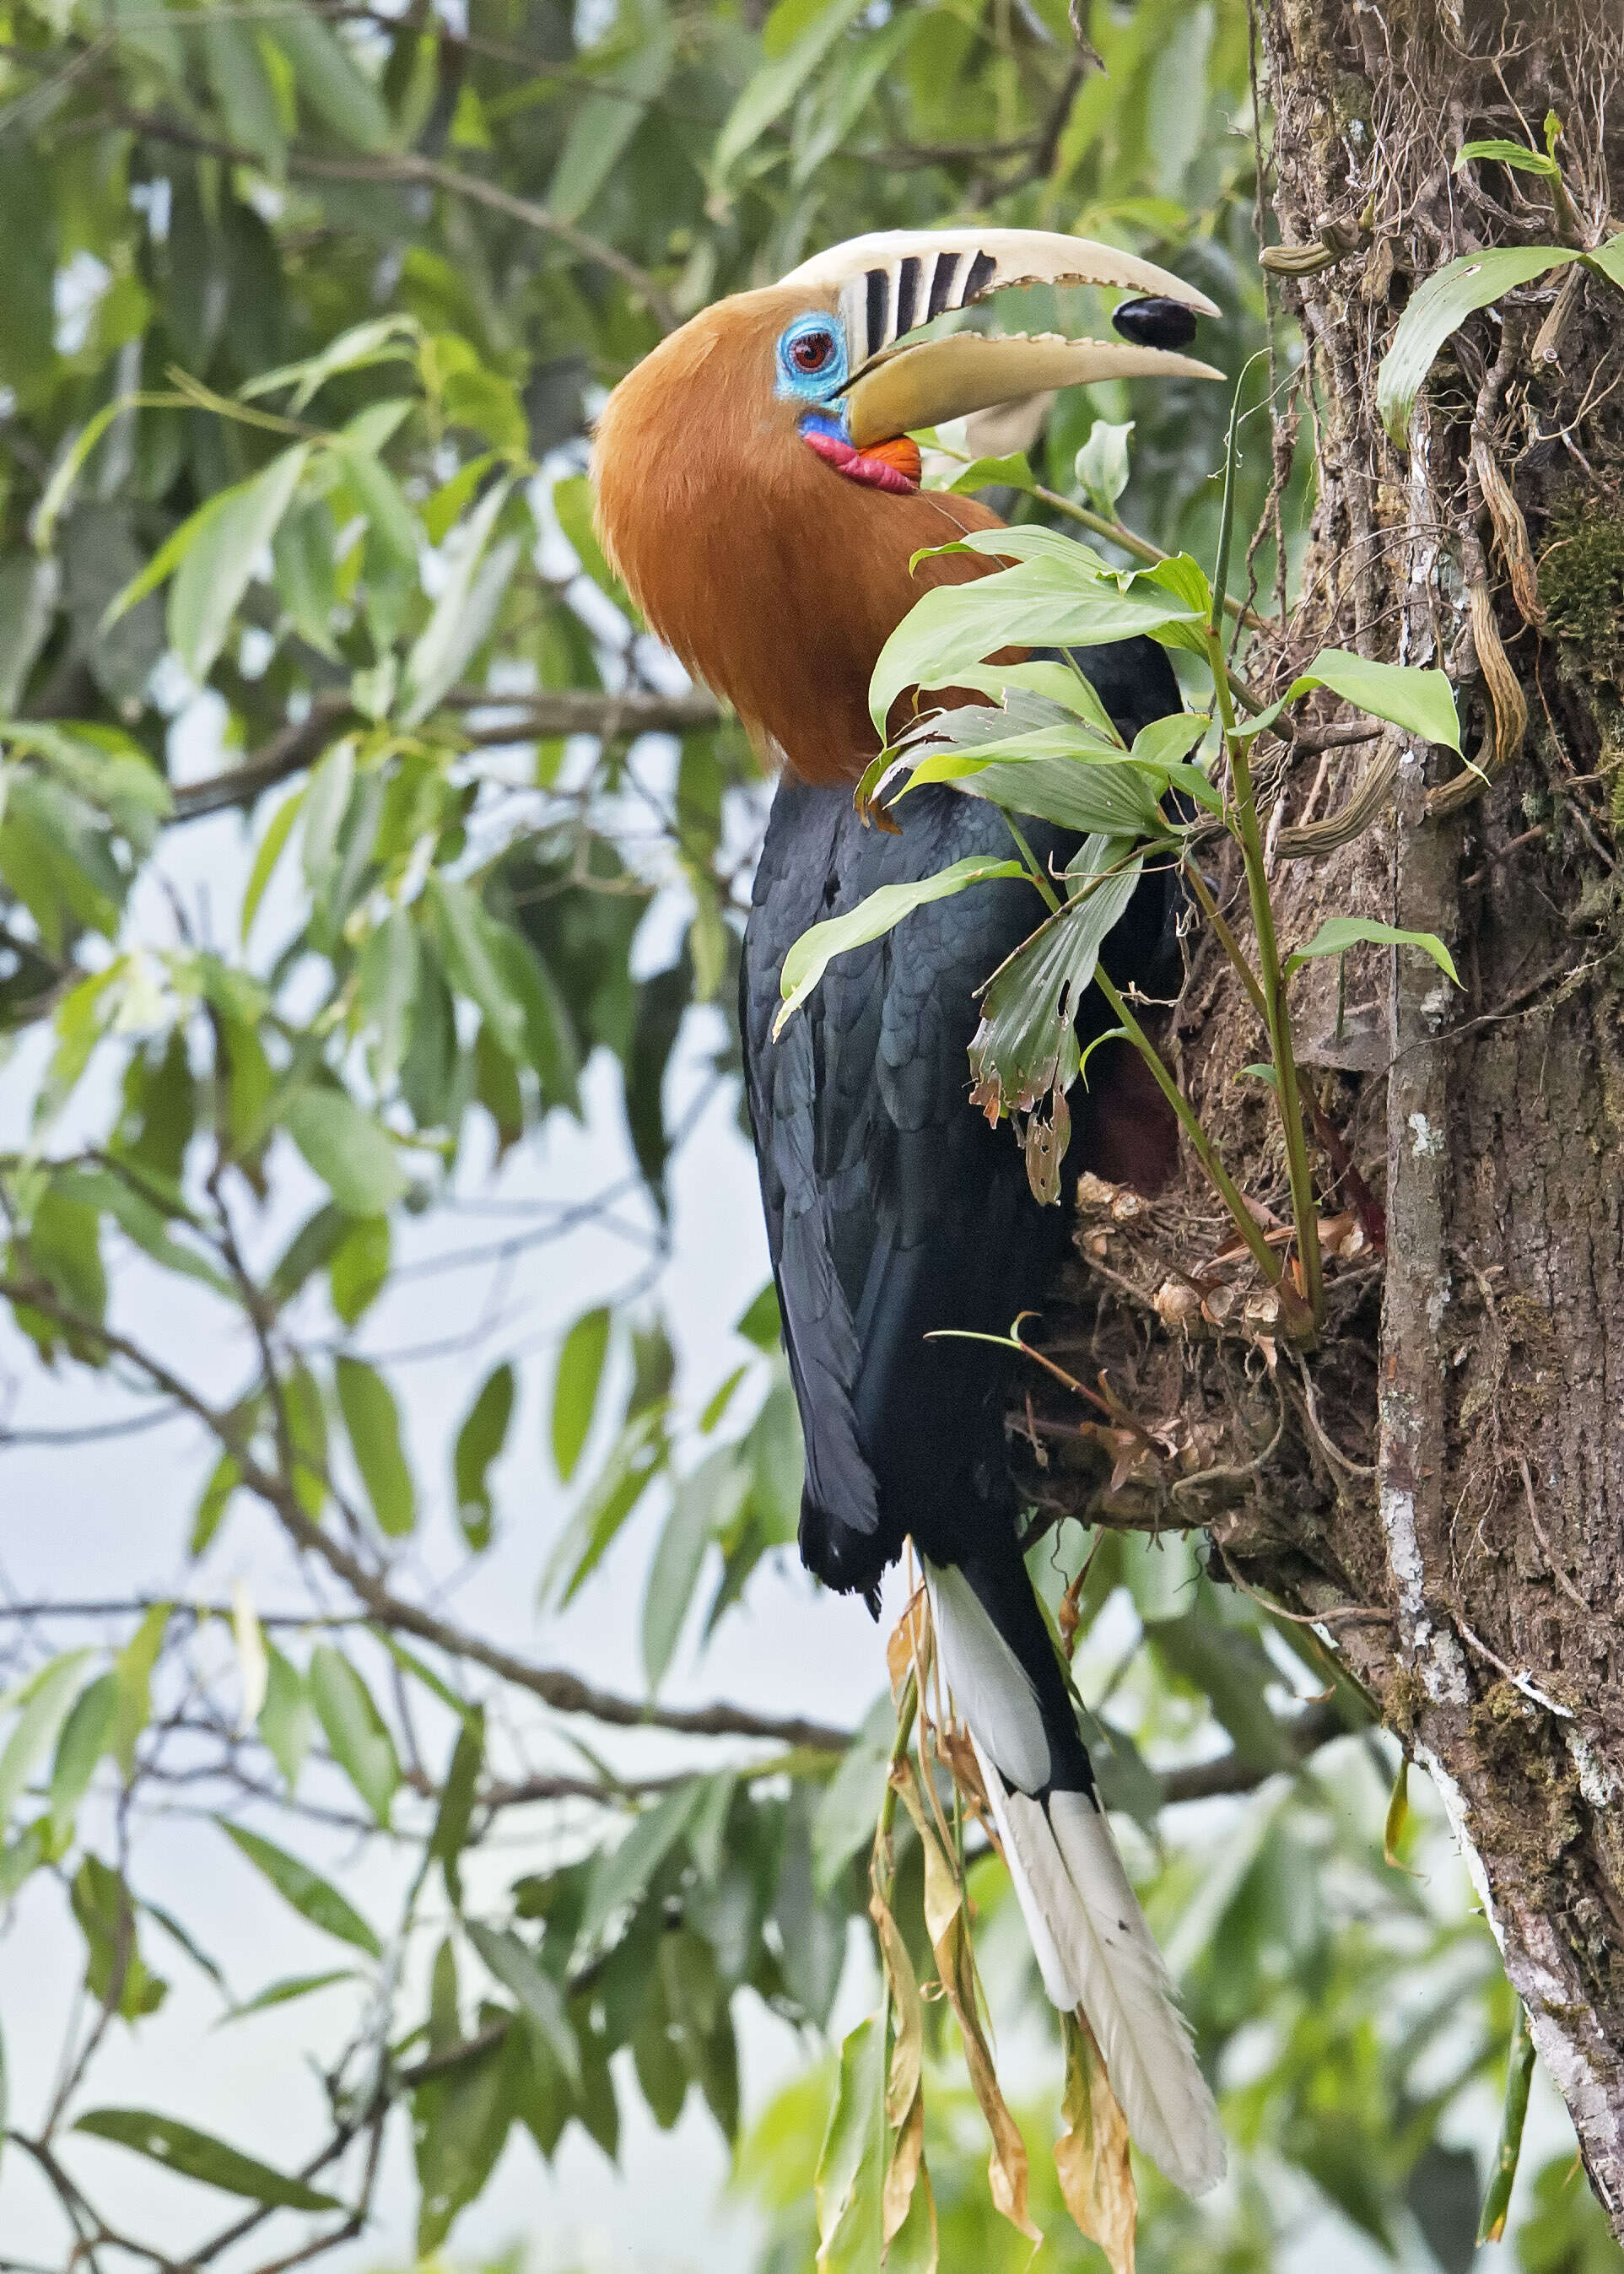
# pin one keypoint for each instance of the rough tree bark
(1444, 1478)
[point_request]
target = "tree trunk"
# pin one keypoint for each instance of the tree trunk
(1446, 1480)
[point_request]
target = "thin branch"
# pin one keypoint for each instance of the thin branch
(409, 169)
(572, 711)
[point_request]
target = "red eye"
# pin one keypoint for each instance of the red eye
(812, 351)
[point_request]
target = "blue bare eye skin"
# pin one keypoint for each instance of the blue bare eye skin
(811, 358)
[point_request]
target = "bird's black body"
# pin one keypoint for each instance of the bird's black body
(892, 1208)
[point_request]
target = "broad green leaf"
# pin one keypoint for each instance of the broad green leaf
(514, 1967)
(1422, 702)
(349, 1150)
(132, 1669)
(1439, 305)
(848, 1811)
(1025, 1043)
(1337, 934)
(460, 2119)
(604, 123)
(575, 1387)
(636, 1459)
(620, 1874)
(373, 1424)
(193, 2155)
(1010, 474)
(390, 520)
(242, 87)
(572, 504)
(355, 1729)
(1029, 540)
(813, 952)
(760, 1322)
(314, 1898)
(1102, 464)
(116, 1974)
(358, 1265)
(851, 2168)
(463, 614)
(1608, 258)
(779, 80)
(86, 1734)
(287, 1719)
(703, 1505)
(212, 1501)
(329, 80)
(465, 934)
(214, 570)
(45, 1709)
(457, 1797)
(1510, 153)
(1057, 776)
(1038, 603)
(479, 1441)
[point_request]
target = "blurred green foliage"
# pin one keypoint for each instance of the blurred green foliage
(306, 310)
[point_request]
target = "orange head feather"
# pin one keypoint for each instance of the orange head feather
(774, 577)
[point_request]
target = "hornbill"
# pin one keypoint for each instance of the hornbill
(758, 492)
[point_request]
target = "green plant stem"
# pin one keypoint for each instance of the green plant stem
(1048, 891)
(1229, 1192)
(1497, 2202)
(1277, 1020)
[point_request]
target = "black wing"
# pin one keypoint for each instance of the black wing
(893, 1211)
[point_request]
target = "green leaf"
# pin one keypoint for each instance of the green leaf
(848, 1811)
(329, 80)
(1102, 464)
(355, 1729)
(813, 952)
(1025, 1042)
(760, 1322)
(1038, 603)
(243, 88)
(373, 1423)
(851, 2168)
(466, 944)
(45, 1707)
(132, 1669)
(287, 1719)
(457, 1797)
(229, 537)
(284, 1992)
(267, 852)
(604, 123)
(479, 1441)
(539, 2000)
(636, 1459)
(463, 614)
(621, 1874)
(314, 1898)
(575, 1388)
(703, 1505)
(460, 2120)
(1337, 934)
(1421, 701)
(1510, 153)
(116, 1974)
(1608, 258)
(380, 339)
(86, 1734)
(350, 1151)
(1439, 306)
(1010, 473)
(358, 1265)
(193, 2155)
(780, 79)
(572, 504)
(1057, 776)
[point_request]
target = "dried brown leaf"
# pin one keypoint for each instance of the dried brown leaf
(908, 1642)
(1091, 2154)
